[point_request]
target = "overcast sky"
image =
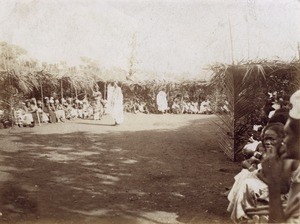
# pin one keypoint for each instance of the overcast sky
(172, 36)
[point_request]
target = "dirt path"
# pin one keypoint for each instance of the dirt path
(151, 169)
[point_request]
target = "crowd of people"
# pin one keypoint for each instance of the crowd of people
(178, 105)
(31, 112)
(268, 187)
(53, 109)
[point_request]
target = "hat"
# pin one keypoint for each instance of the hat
(295, 101)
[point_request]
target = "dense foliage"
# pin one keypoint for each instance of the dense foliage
(246, 88)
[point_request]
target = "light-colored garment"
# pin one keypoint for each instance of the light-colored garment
(293, 204)
(116, 105)
(161, 101)
(245, 193)
(205, 107)
(108, 105)
(27, 118)
(60, 115)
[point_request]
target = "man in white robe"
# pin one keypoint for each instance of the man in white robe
(115, 101)
(161, 101)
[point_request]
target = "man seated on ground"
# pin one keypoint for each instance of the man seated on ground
(194, 107)
(274, 169)
(27, 118)
(184, 107)
(19, 114)
(59, 111)
(44, 118)
(250, 188)
(141, 107)
(129, 106)
(205, 107)
(176, 107)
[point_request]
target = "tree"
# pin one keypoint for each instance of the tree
(16, 77)
(132, 61)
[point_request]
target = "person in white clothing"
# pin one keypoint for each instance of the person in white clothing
(115, 101)
(161, 101)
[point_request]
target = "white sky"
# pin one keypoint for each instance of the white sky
(174, 36)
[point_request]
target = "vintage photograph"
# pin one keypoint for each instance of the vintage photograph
(149, 111)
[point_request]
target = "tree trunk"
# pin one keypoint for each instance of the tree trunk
(42, 95)
(61, 89)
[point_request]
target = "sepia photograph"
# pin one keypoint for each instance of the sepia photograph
(149, 111)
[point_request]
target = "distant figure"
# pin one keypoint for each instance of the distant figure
(97, 104)
(205, 107)
(115, 101)
(176, 107)
(161, 101)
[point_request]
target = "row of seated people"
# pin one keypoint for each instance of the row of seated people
(136, 106)
(249, 197)
(178, 107)
(34, 111)
(191, 107)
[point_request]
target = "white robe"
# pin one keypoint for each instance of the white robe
(161, 101)
(116, 105)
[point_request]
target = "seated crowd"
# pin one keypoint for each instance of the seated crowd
(178, 106)
(51, 110)
(268, 187)
(136, 106)
(191, 107)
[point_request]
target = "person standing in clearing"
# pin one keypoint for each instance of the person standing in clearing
(116, 104)
(97, 104)
(161, 101)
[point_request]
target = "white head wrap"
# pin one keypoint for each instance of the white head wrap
(295, 101)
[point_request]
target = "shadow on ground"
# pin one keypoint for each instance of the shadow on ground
(151, 176)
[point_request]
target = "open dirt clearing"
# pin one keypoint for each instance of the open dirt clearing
(152, 169)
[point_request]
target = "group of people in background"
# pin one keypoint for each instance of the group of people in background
(181, 106)
(268, 187)
(191, 107)
(53, 110)
(178, 106)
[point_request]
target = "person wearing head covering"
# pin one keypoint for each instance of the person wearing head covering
(59, 111)
(161, 101)
(284, 162)
(116, 104)
(43, 116)
(28, 118)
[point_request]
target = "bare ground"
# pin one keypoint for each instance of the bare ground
(152, 169)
